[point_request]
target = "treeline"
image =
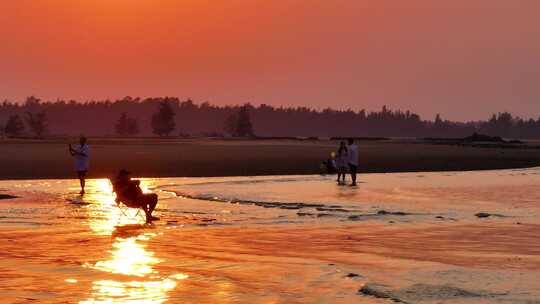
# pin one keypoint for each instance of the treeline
(169, 116)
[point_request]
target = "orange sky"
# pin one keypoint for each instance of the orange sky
(463, 58)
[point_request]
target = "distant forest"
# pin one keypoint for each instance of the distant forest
(137, 117)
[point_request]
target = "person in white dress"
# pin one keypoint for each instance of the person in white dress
(81, 153)
(352, 154)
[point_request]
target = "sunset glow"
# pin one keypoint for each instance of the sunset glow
(269, 151)
(427, 56)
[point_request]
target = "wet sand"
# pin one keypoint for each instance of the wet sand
(406, 237)
(27, 159)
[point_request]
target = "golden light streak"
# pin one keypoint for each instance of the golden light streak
(129, 256)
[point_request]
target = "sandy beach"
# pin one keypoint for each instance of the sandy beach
(227, 126)
(439, 237)
(155, 157)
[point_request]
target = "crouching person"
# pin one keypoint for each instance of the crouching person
(129, 193)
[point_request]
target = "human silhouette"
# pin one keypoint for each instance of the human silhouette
(81, 153)
(352, 156)
(342, 163)
(129, 193)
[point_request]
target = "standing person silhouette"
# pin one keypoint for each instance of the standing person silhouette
(352, 153)
(81, 153)
(342, 163)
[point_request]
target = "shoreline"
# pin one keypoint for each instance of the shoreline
(74, 177)
(223, 158)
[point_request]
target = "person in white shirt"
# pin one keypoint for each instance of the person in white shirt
(352, 153)
(81, 153)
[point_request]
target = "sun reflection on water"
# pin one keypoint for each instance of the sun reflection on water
(129, 257)
(105, 215)
(131, 292)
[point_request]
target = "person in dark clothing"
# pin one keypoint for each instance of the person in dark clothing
(342, 163)
(129, 192)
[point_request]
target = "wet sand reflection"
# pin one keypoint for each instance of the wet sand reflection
(130, 262)
(417, 238)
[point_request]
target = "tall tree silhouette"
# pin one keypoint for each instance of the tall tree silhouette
(126, 126)
(163, 121)
(37, 122)
(239, 123)
(14, 126)
(244, 126)
(70, 117)
(133, 127)
(231, 124)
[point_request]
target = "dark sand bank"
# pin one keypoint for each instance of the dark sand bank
(6, 196)
(27, 159)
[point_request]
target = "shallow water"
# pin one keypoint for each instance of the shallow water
(412, 237)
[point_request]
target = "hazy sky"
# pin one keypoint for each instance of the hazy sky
(463, 58)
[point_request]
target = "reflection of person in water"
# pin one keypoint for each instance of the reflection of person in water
(129, 192)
